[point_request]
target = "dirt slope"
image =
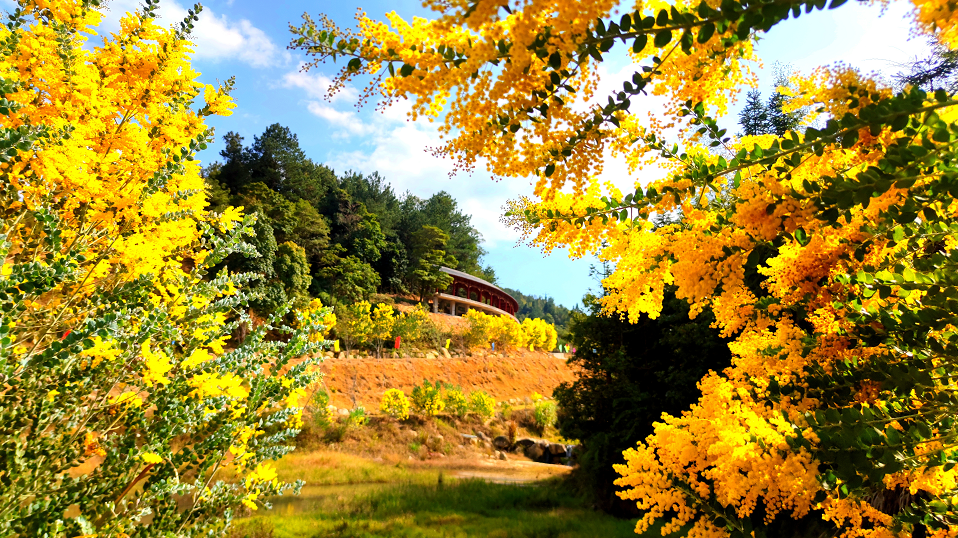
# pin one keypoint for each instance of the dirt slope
(516, 375)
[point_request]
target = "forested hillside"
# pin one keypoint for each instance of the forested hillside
(337, 237)
(531, 306)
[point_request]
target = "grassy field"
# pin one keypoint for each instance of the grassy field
(350, 497)
(459, 509)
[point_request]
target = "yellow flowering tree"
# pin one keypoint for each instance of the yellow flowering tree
(539, 334)
(122, 409)
(828, 254)
(382, 321)
(355, 326)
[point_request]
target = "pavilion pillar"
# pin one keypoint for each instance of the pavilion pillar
(435, 303)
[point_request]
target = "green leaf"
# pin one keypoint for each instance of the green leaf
(705, 33)
(406, 70)
(354, 65)
(662, 38)
(550, 169)
(640, 43)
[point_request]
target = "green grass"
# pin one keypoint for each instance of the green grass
(333, 468)
(459, 509)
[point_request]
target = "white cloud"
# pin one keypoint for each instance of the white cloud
(216, 37)
(348, 120)
(316, 85)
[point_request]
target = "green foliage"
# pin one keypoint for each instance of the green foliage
(544, 415)
(427, 398)
(754, 115)
(628, 375)
(455, 401)
(427, 250)
(461, 508)
(357, 236)
(545, 308)
(357, 417)
(348, 278)
(481, 403)
(132, 409)
(292, 270)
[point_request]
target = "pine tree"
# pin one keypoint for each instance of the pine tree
(754, 117)
(779, 121)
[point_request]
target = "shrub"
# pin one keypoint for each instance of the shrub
(482, 404)
(409, 325)
(539, 334)
(427, 398)
(382, 320)
(319, 407)
(395, 404)
(545, 414)
(506, 332)
(480, 325)
(119, 397)
(355, 326)
(455, 401)
(357, 417)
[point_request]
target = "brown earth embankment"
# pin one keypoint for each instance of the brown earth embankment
(362, 381)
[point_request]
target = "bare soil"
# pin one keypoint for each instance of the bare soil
(505, 376)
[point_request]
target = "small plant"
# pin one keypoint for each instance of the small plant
(455, 401)
(544, 414)
(427, 398)
(512, 431)
(536, 397)
(357, 417)
(319, 407)
(482, 404)
(395, 404)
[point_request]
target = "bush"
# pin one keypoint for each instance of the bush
(545, 415)
(319, 407)
(357, 417)
(539, 334)
(455, 401)
(395, 404)
(482, 404)
(427, 398)
(409, 325)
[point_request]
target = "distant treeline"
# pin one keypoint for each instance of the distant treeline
(544, 308)
(337, 237)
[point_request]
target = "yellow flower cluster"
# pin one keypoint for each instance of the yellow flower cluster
(395, 404)
(507, 332)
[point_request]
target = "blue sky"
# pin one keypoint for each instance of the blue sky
(247, 39)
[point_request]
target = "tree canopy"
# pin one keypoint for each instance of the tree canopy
(354, 235)
(840, 389)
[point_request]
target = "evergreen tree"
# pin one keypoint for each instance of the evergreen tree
(779, 121)
(754, 116)
(428, 254)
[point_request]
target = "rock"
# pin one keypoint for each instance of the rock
(525, 442)
(445, 353)
(534, 452)
(410, 433)
(344, 412)
(502, 456)
(498, 454)
(469, 439)
(502, 442)
(527, 400)
(482, 436)
(557, 449)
